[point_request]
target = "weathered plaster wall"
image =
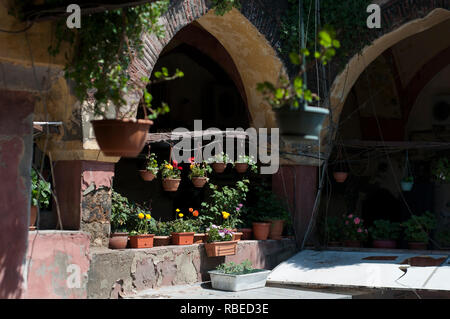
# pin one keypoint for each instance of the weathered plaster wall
(50, 256)
(116, 272)
(16, 117)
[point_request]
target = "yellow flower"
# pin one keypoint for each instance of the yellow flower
(141, 215)
(177, 210)
(192, 166)
(180, 215)
(148, 216)
(225, 215)
(169, 166)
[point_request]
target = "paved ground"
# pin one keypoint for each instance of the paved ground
(204, 291)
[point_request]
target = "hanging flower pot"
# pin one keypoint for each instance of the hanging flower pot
(142, 241)
(147, 175)
(241, 167)
(162, 241)
(125, 137)
(183, 238)
(406, 185)
(261, 230)
(221, 248)
(340, 177)
(199, 182)
(171, 184)
(305, 122)
(118, 241)
(219, 167)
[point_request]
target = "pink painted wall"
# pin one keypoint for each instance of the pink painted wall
(49, 255)
(301, 197)
(16, 125)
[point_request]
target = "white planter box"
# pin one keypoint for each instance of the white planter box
(229, 282)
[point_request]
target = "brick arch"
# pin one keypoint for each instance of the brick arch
(253, 18)
(401, 19)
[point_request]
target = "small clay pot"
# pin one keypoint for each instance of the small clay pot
(199, 182)
(219, 167)
(241, 167)
(170, 184)
(340, 177)
(261, 230)
(142, 241)
(276, 229)
(162, 240)
(246, 233)
(183, 238)
(118, 241)
(147, 175)
(385, 243)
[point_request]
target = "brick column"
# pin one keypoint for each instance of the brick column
(83, 189)
(16, 145)
(297, 183)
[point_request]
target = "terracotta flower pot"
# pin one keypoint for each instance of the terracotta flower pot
(170, 184)
(147, 175)
(340, 177)
(276, 229)
(261, 231)
(142, 241)
(162, 240)
(33, 216)
(237, 236)
(199, 238)
(246, 233)
(183, 238)
(219, 167)
(241, 167)
(221, 248)
(125, 138)
(352, 243)
(417, 245)
(118, 241)
(199, 182)
(386, 243)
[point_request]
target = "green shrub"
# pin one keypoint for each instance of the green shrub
(232, 268)
(418, 228)
(384, 229)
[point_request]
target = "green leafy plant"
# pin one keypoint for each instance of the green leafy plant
(218, 233)
(441, 170)
(223, 6)
(419, 227)
(353, 228)
(40, 190)
(334, 229)
(224, 205)
(199, 169)
(121, 210)
(385, 230)
(232, 268)
(142, 221)
(162, 228)
(292, 95)
(443, 237)
(181, 225)
(151, 164)
(170, 170)
(220, 158)
(246, 159)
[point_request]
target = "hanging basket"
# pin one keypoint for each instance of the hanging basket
(147, 175)
(124, 138)
(170, 184)
(199, 182)
(241, 167)
(340, 177)
(219, 167)
(406, 186)
(221, 248)
(305, 122)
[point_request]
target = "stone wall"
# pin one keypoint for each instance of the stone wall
(115, 273)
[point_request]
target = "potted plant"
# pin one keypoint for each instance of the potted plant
(443, 239)
(182, 231)
(334, 231)
(40, 196)
(261, 228)
(198, 227)
(407, 183)
(417, 230)
(140, 236)
(120, 213)
(237, 277)
(220, 242)
(151, 168)
(162, 234)
(198, 174)
(289, 100)
(354, 231)
(171, 176)
(385, 234)
(244, 162)
(219, 162)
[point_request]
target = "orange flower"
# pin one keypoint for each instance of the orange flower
(195, 213)
(191, 210)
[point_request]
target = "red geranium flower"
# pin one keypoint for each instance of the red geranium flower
(180, 168)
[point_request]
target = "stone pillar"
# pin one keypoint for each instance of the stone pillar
(83, 189)
(16, 146)
(297, 183)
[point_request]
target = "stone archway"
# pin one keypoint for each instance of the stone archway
(344, 82)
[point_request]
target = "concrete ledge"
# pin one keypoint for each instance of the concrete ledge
(119, 273)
